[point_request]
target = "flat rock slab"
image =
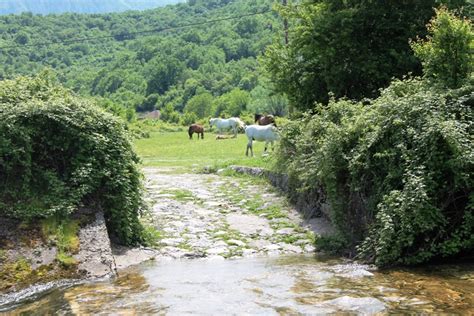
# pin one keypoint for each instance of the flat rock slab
(221, 222)
(249, 224)
(126, 257)
(95, 253)
(321, 226)
(361, 305)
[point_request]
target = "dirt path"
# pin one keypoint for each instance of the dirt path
(206, 215)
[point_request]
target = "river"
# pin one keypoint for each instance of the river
(235, 246)
(288, 285)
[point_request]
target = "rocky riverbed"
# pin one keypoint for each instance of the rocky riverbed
(232, 244)
(196, 215)
(208, 215)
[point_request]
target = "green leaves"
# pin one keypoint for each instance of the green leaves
(200, 105)
(150, 70)
(447, 52)
(60, 152)
(397, 171)
(347, 48)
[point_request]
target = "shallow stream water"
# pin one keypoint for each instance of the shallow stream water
(290, 285)
(270, 275)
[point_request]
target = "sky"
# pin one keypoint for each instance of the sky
(79, 6)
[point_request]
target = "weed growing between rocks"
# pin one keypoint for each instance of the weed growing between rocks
(255, 204)
(178, 194)
(62, 233)
(151, 235)
(222, 216)
(38, 251)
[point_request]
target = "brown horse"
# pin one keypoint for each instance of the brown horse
(264, 119)
(196, 128)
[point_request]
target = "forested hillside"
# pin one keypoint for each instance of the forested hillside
(79, 6)
(205, 69)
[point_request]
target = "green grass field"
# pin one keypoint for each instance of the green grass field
(175, 149)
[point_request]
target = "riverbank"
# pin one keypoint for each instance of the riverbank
(232, 240)
(45, 251)
(195, 215)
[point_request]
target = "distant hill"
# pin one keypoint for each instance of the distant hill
(128, 64)
(79, 6)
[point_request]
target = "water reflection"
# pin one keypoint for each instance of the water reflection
(271, 286)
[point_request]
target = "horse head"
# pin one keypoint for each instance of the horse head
(257, 117)
(212, 122)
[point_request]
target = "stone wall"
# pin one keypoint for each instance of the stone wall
(95, 255)
(310, 203)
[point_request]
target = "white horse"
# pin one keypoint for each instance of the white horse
(266, 133)
(233, 123)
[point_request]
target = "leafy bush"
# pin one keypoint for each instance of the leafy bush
(424, 203)
(445, 54)
(168, 114)
(398, 169)
(397, 172)
(188, 118)
(59, 152)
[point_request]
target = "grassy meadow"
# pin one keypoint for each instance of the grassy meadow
(175, 149)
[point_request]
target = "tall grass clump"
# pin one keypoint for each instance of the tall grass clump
(59, 152)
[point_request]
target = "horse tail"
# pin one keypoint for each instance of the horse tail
(241, 123)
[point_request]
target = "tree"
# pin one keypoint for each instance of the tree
(446, 53)
(188, 118)
(149, 104)
(348, 48)
(22, 38)
(161, 73)
(232, 103)
(264, 100)
(200, 105)
(169, 114)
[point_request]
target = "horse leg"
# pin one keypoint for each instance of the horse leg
(202, 135)
(190, 135)
(249, 145)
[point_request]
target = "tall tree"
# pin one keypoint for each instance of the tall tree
(350, 48)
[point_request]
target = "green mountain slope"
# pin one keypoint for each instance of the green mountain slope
(208, 69)
(79, 6)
